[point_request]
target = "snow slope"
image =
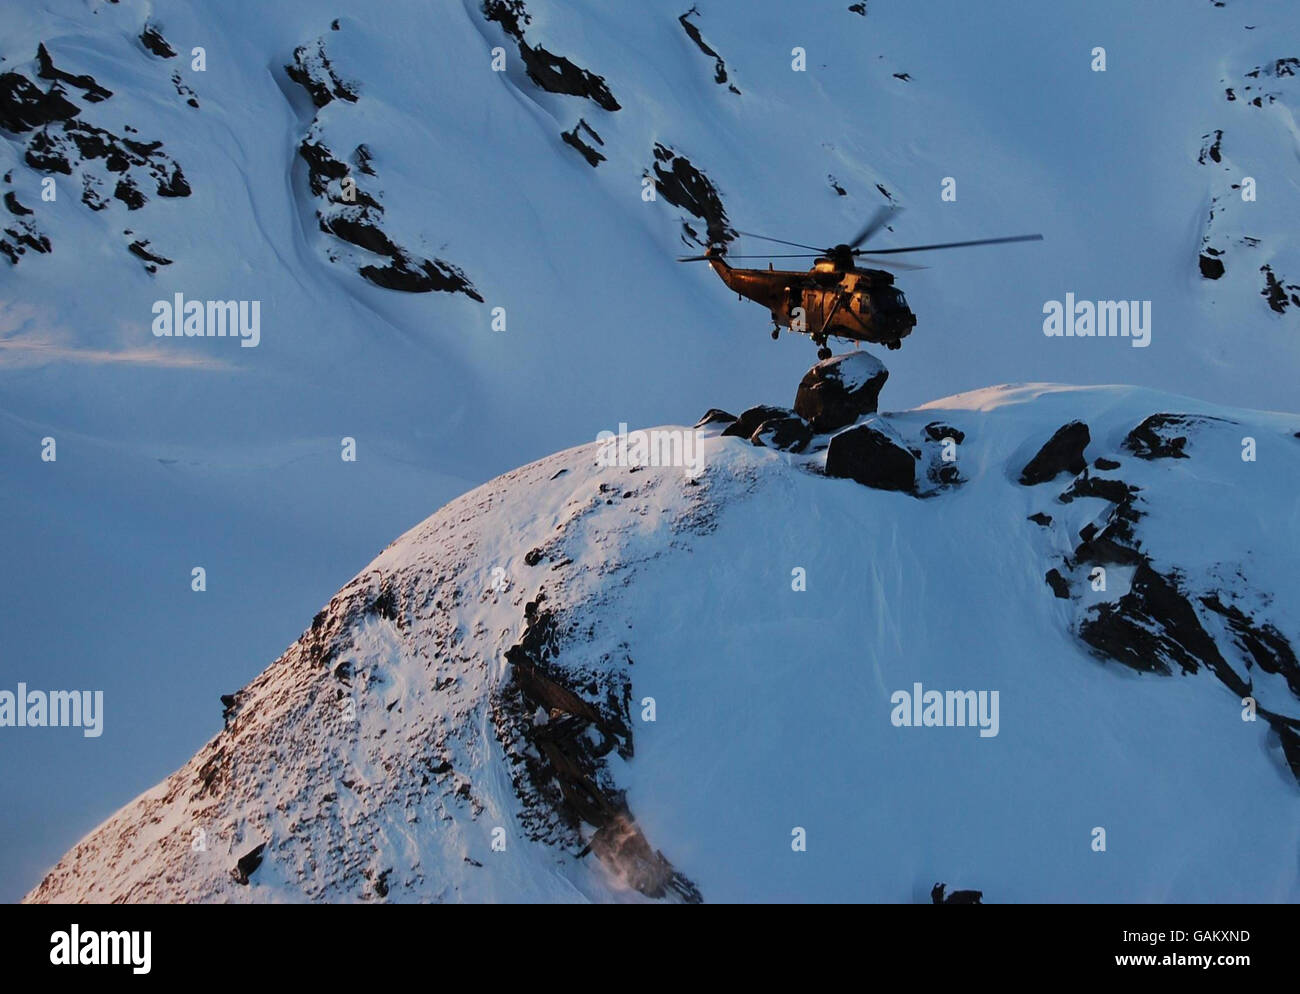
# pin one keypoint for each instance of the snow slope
(182, 452)
(377, 757)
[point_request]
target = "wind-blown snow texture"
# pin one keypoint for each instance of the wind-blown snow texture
(182, 452)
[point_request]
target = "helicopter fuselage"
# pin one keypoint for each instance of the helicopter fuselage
(831, 300)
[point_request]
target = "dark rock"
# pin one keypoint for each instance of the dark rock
(693, 32)
(1211, 268)
(11, 202)
(684, 186)
(1115, 491)
(1153, 628)
(140, 249)
(420, 277)
(553, 73)
(956, 897)
(152, 39)
(1060, 586)
(714, 415)
(1154, 438)
(311, 69)
(247, 865)
(46, 69)
(937, 431)
(571, 138)
(1039, 518)
(127, 192)
(870, 457)
(839, 390)
(1063, 452)
(360, 233)
(1211, 150)
(174, 185)
(1101, 462)
(321, 165)
(786, 434)
(1290, 746)
(533, 556)
(859, 8)
(1263, 644)
(1275, 291)
(745, 425)
(24, 106)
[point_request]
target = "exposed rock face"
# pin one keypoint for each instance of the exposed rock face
(24, 106)
(1059, 584)
(312, 70)
(1160, 621)
(749, 420)
(553, 73)
(152, 39)
(108, 166)
(683, 185)
(715, 415)
(787, 434)
(574, 139)
(693, 32)
(1062, 453)
(839, 390)
(1164, 436)
(572, 743)
(347, 211)
(248, 864)
(1279, 294)
(870, 457)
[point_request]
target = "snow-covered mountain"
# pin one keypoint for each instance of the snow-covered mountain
(458, 221)
(603, 681)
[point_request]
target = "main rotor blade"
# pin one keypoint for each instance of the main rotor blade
(891, 265)
(945, 245)
(780, 241)
(695, 258)
(878, 220)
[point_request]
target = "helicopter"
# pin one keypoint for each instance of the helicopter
(836, 297)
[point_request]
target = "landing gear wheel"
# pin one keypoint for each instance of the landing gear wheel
(776, 333)
(823, 353)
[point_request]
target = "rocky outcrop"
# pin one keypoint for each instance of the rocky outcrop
(345, 209)
(787, 434)
(1159, 620)
(574, 140)
(1164, 436)
(57, 141)
(553, 73)
(1062, 453)
(312, 70)
(571, 737)
(838, 391)
(683, 185)
(871, 457)
(693, 32)
(749, 420)
(715, 416)
(151, 37)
